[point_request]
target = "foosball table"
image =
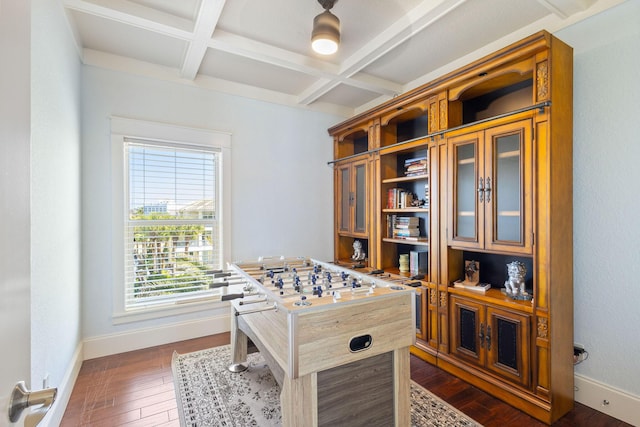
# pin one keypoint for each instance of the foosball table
(337, 340)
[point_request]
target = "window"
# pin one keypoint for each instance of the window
(173, 215)
(172, 233)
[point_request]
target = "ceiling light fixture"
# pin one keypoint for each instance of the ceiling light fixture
(325, 36)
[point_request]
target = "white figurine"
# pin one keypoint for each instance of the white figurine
(515, 283)
(358, 254)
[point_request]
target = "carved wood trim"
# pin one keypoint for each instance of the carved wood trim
(543, 327)
(444, 122)
(542, 81)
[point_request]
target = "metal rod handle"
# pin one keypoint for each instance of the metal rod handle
(274, 306)
(253, 301)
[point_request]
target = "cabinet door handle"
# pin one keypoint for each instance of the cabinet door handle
(488, 337)
(481, 190)
(481, 335)
(487, 189)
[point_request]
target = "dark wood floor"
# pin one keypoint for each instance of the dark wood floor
(136, 389)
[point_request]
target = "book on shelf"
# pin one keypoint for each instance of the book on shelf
(418, 262)
(391, 222)
(406, 232)
(403, 227)
(420, 160)
(475, 287)
(415, 159)
(399, 198)
(407, 220)
(416, 166)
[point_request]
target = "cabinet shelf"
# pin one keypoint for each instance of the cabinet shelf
(422, 241)
(406, 210)
(496, 297)
(405, 179)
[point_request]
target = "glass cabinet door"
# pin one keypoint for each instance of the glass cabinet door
(351, 183)
(344, 183)
(359, 204)
(465, 166)
(491, 189)
(507, 187)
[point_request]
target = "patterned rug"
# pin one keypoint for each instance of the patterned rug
(209, 395)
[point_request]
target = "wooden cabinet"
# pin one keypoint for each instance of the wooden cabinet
(352, 189)
(495, 339)
(351, 180)
(497, 138)
(491, 186)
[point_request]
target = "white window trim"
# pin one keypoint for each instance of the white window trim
(122, 128)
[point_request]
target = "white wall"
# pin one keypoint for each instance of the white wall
(281, 187)
(55, 195)
(606, 201)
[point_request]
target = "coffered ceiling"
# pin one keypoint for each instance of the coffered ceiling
(261, 48)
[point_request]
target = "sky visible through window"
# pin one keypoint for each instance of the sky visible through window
(170, 180)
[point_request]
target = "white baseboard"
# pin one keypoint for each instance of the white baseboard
(107, 345)
(55, 414)
(608, 400)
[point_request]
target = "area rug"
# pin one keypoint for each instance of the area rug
(209, 395)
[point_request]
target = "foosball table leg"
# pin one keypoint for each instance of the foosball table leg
(238, 345)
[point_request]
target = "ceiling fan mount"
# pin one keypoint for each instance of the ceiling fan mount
(327, 4)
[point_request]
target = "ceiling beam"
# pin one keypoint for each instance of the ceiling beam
(135, 15)
(206, 22)
(268, 54)
(565, 8)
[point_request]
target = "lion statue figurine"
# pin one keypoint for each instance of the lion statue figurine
(515, 283)
(358, 253)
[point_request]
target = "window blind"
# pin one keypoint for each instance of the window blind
(172, 229)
